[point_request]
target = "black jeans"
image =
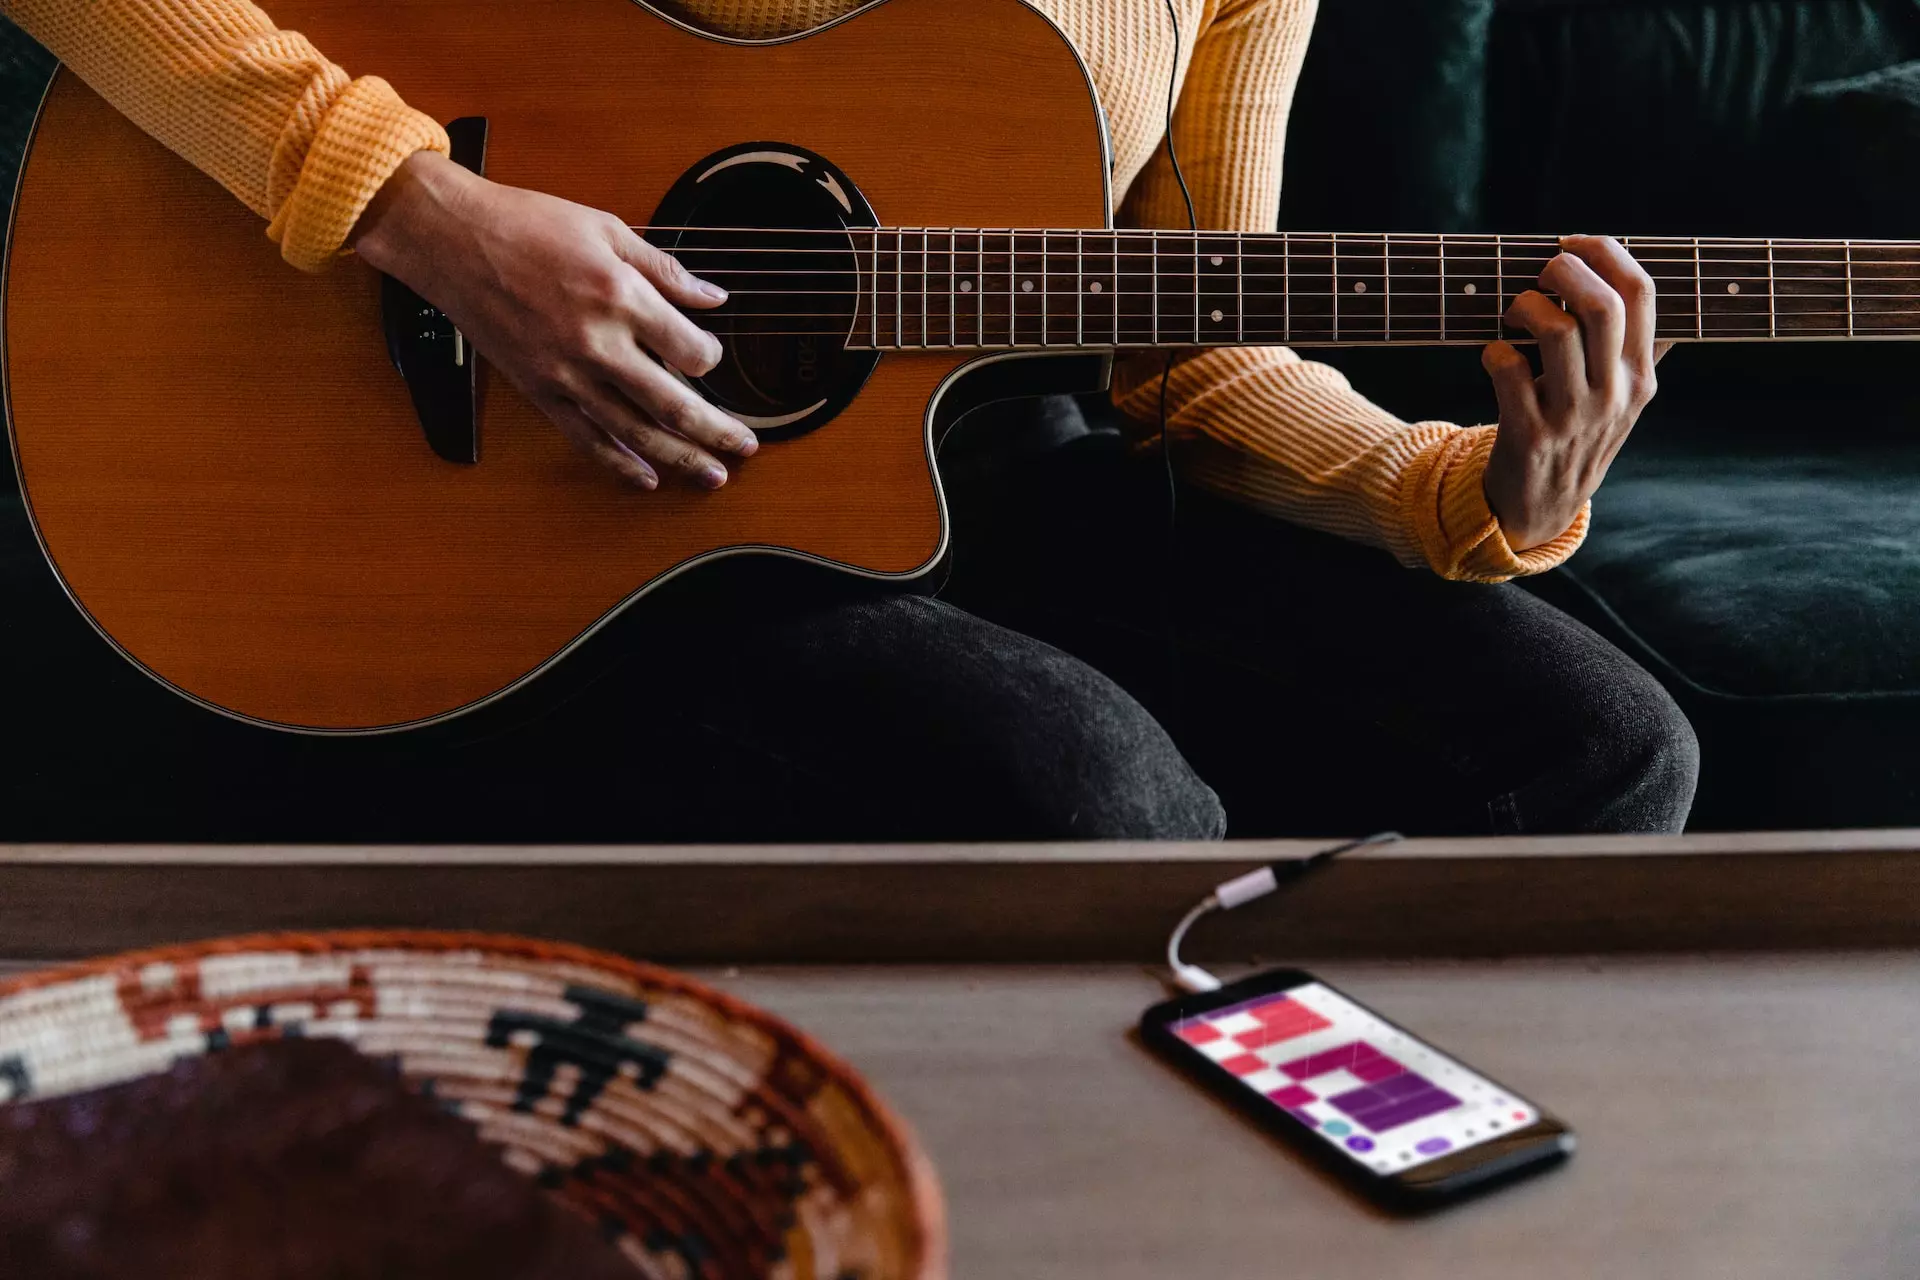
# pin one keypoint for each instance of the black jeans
(1080, 675)
(1318, 686)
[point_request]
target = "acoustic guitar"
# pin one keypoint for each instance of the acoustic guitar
(296, 500)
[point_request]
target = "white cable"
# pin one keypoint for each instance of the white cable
(1243, 889)
(1191, 977)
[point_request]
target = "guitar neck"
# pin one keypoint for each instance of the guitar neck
(943, 288)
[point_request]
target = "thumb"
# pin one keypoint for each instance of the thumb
(675, 283)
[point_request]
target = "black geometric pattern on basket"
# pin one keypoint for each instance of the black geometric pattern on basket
(595, 1043)
(13, 1070)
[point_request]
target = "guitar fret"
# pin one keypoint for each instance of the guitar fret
(1240, 289)
(1773, 288)
(1197, 284)
(1849, 269)
(1334, 286)
(1080, 282)
(1499, 287)
(1441, 239)
(980, 284)
(1286, 288)
(1386, 290)
(1699, 311)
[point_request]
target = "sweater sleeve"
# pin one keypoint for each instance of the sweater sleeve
(258, 109)
(1259, 424)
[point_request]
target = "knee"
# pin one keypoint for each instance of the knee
(1648, 756)
(1669, 754)
(1105, 769)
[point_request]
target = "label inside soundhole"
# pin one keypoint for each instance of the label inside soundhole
(771, 225)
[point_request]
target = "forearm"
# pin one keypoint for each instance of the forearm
(258, 109)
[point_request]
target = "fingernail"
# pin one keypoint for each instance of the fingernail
(648, 480)
(747, 445)
(713, 476)
(710, 290)
(715, 350)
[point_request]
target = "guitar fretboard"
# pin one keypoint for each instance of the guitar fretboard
(944, 288)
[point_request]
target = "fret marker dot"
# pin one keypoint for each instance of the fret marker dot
(1467, 288)
(1215, 259)
(966, 286)
(1094, 287)
(1026, 286)
(1216, 317)
(1733, 288)
(1359, 286)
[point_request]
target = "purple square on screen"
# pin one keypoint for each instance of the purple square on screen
(1408, 1110)
(1357, 1102)
(1404, 1085)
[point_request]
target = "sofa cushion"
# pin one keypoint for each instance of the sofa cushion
(1791, 568)
(1388, 134)
(1859, 137)
(1667, 118)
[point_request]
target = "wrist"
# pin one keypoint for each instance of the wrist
(1527, 518)
(410, 212)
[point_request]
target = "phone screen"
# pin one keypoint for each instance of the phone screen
(1387, 1100)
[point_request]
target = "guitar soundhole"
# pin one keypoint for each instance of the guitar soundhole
(777, 227)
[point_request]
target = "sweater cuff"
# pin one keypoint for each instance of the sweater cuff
(1443, 497)
(361, 140)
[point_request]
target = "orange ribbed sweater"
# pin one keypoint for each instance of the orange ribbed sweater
(306, 147)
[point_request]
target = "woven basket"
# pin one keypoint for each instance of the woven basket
(711, 1138)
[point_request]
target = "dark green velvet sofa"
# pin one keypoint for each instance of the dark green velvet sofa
(1758, 544)
(1757, 547)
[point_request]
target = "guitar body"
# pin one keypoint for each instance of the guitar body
(228, 475)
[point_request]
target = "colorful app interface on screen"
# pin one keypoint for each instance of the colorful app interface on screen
(1384, 1098)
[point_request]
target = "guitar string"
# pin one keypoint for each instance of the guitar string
(1258, 237)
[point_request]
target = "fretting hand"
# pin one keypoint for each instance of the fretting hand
(1559, 431)
(568, 303)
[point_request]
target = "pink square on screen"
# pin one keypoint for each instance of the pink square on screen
(1291, 1095)
(1197, 1033)
(1245, 1065)
(1291, 1014)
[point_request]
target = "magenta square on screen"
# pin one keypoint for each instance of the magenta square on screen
(1377, 1068)
(1341, 1056)
(1197, 1033)
(1292, 1095)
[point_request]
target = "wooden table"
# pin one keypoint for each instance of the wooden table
(1752, 1118)
(1743, 1070)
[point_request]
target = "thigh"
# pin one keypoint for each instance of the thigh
(891, 716)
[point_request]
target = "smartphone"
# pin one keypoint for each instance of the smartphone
(1405, 1124)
